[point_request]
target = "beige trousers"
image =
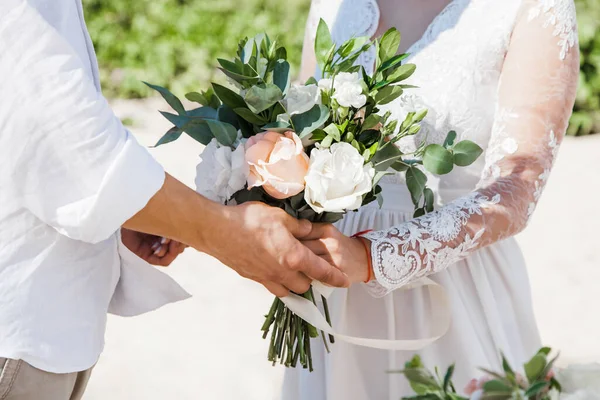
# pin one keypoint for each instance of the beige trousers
(21, 381)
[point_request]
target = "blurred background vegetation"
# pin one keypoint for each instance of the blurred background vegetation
(175, 43)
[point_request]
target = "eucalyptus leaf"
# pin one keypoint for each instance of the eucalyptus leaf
(466, 152)
(415, 181)
(281, 75)
(169, 97)
(369, 137)
(198, 130)
(419, 212)
(307, 122)
(251, 80)
(225, 133)
(429, 199)
(202, 112)
(385, 157)
(177, 120)
(323, 44)
(327, 142)
(437, 159)
(371, 122)
(388, 94)
(450, 138)
(226, 114)
(249, 116)
(318, 135)
(311, 81)
(277, 126)
(171, 135)
(390, 66)
(229, 97)
(261, 97)
(196, 98)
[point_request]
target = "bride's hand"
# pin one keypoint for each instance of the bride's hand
(150, 248)
(346, 253)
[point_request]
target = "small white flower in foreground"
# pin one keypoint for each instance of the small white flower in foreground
(337, 179)
(221, 172)
(347, 89)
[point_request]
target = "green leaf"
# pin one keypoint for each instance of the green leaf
(307, 122)
(333, 131)
(437, 159)
(229, 97)
(202, 112)
(421, 376)
(450, 138)
(198, 130)
(399, 166)
(277, 126)
(392, 64)
(311, 81)
(369, 137)
(496, 386)
(323, 44)
(466, 152)
(371, 122)
(429, 200)
(171, 135)
(389, 44)
(263, 96)
(545, 351)
(506, 366)
(326, 143)
(196, 98)
(385, 157)
(450, 371)
(249, 116)
(318, 135)
(169, 97)
(535, 367)
(388, 94)
(281, 75)
(419, 212)
(403, 72)
(536, 388)
(415, 181)
(226, 114)
(225, 133)
(177, 120)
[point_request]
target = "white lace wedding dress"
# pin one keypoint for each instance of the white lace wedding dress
(502, 73)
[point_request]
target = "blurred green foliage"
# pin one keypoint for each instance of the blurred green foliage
(586, 116)
(175, 43)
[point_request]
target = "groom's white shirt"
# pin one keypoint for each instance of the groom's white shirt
(70, 176)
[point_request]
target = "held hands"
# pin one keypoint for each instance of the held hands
(346, 253)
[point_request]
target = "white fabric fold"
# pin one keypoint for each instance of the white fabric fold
(142, 288)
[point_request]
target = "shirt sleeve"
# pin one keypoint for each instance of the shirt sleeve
(71, 162)
(536, 96)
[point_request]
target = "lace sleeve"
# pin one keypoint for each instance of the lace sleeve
(535, 100)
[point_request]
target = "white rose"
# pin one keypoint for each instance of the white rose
(300, 99)
(221, 172)
(348, 89)
(337, 179)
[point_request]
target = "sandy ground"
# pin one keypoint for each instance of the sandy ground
(209, 347)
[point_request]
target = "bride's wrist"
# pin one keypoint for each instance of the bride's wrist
(366, 264)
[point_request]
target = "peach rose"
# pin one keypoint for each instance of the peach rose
(277, 162)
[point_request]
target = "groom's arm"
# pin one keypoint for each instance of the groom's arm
(68, 160)
(257, 241)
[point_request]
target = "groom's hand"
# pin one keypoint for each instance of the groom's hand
(257, 241)
(261, 243)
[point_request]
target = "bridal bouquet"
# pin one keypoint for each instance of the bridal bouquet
(540, 381)
(316, 150)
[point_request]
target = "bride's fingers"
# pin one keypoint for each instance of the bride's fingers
(319, 230)
(163, 247)
(317, 247)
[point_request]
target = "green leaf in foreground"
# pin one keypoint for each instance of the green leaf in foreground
(307, 122)
(415, 181)
(323, 43)
(437, 160)
(228, 96)
(225, 134)
(169, 97)
(389, 44)
(388, 94)
(466, 152)
(261, 97)
(172, 134)
(281, 75)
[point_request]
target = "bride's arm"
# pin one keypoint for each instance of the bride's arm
(536, 96)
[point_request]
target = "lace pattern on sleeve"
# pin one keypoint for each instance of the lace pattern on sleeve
(542, 66)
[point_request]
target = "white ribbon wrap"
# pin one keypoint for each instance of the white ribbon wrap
(440, 321)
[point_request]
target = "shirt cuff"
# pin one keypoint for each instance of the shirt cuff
(132, 180)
